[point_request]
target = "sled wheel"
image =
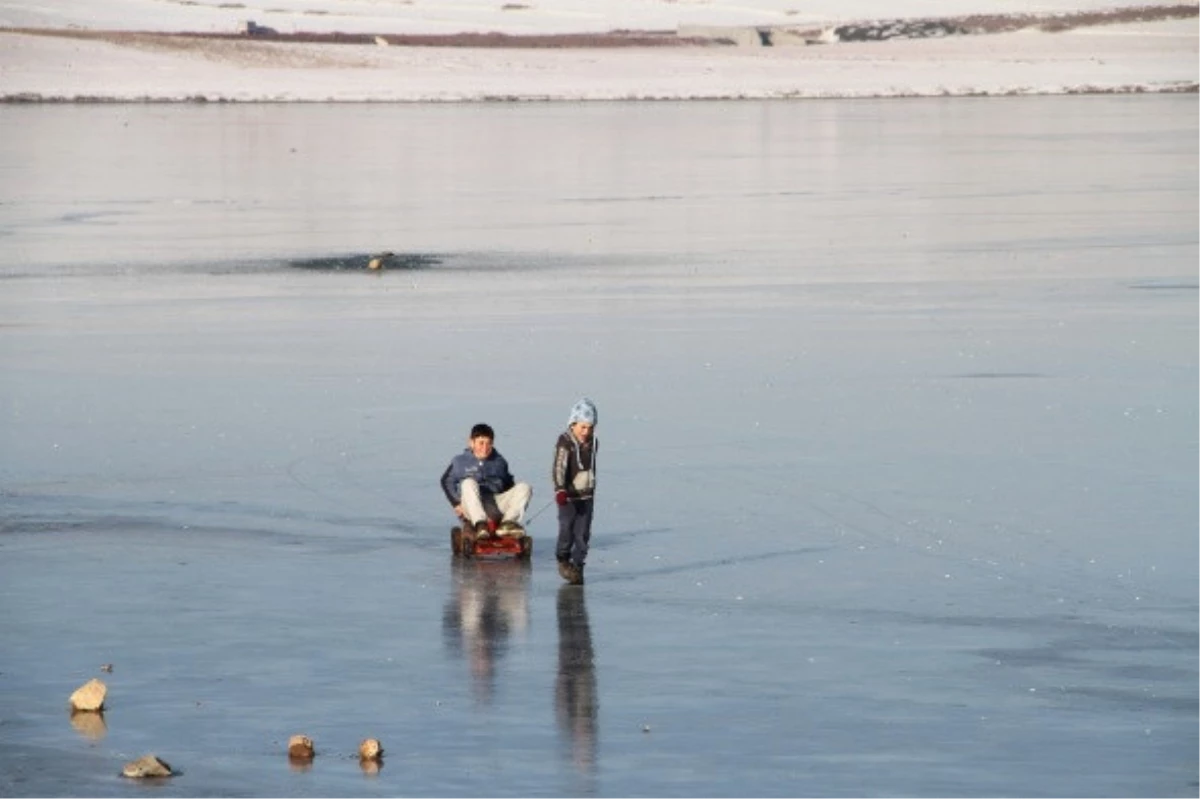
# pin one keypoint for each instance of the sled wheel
(456, 541)
(526, 547)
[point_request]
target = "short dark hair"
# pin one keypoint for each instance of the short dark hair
(483, 431)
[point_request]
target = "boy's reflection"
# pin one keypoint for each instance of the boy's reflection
(488, 603)
(575, 701)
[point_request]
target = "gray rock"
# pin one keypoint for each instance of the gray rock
(146, 767)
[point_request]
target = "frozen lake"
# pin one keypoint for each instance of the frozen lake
(898, 475)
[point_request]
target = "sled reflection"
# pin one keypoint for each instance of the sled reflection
(575, 702)
(489, 602)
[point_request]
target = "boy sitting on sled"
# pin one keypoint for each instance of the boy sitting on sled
(482, 490)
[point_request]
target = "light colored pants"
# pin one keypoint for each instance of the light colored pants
(511, 504)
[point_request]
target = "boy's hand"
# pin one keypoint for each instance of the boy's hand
(560, 497)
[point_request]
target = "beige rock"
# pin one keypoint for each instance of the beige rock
(89, 696)
(370, 749)
(300, 747)
(145, 767)
(379, 261)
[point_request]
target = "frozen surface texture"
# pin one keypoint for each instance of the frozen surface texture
(898, 472)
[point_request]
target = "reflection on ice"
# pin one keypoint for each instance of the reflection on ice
(489, 602)
(300, 765)
(90, 725)
(575, 701)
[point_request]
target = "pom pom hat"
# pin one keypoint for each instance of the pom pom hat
(583, 411)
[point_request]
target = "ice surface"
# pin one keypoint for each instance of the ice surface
(898, 475)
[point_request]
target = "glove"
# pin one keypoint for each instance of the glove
(560, 497)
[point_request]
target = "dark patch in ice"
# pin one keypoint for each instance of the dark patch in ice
(1041, 656)
(999, 376)
(655, 198)
(1087, 652)
(618, 536)
(1075, 654)
(127, 524)
(701, 565)
(1134, 699)
(641, 198)
(1067, 633)
(329, 533)
(25, 525)
(86, 217)
(1165, 285)
(480, 261)
(1151, 673)
(358, 262)
(55, 770)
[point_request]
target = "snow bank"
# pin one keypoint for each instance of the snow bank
(85, 58)
(521, 16)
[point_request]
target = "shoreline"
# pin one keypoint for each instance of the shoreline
(874, 30)
(1141, 50)
(22, 100)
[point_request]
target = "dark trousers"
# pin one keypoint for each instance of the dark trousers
(574, 530)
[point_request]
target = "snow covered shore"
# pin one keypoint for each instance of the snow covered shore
(130, 50)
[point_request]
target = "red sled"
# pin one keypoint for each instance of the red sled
(465, 543)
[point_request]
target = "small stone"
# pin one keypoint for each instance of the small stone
(370, 749)
(379, 261)
(89, 697)
(106, 668)
(300, 747)
(145, 767)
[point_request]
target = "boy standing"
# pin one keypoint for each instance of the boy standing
(574, 477)
(480, 487)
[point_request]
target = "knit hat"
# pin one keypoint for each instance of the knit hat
(583, 411)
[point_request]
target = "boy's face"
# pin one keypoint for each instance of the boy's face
(481, 446)
(582, 431)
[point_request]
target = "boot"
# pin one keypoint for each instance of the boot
(576, 574)
(564, 570)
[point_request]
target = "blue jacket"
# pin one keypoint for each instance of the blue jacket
(491, 473)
